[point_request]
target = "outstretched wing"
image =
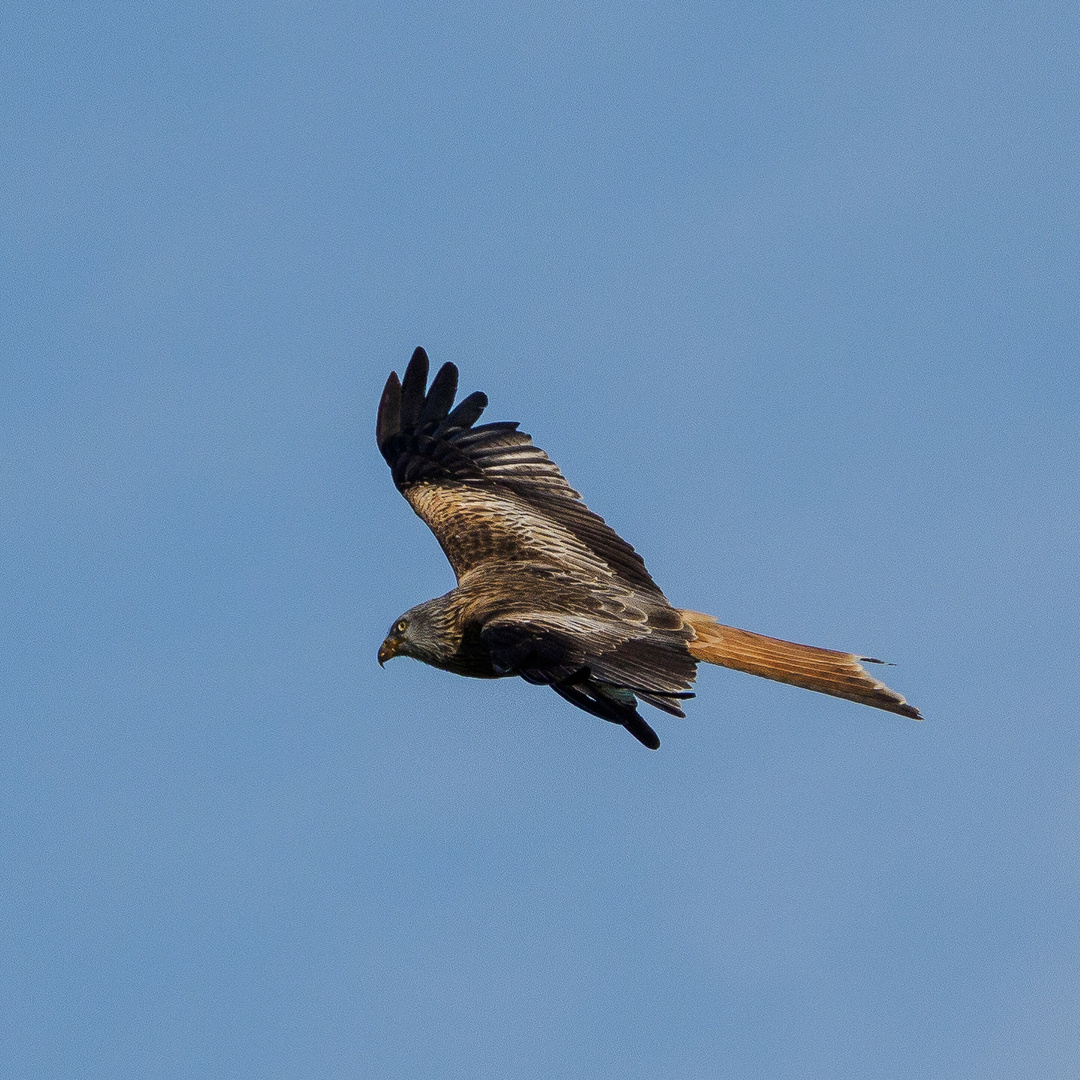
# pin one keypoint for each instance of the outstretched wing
(552, 646)
(595, 663)
(487, 493)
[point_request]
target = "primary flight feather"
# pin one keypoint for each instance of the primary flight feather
(546, 589)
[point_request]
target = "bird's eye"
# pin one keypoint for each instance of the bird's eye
(400, 628)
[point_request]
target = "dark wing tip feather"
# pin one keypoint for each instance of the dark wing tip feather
(410, 404)
(412, 388)
(389, 422)
(440, 397)
(641, 731)
(468, 411)
(410, 410)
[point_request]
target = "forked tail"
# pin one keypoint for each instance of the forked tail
(824, 670)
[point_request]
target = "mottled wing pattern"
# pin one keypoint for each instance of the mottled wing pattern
(486, 492)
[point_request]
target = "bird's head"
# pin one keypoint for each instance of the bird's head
(420, 633)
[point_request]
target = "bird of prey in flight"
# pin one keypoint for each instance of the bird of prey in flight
(546, 589)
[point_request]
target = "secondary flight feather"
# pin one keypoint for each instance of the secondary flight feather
(546, 589)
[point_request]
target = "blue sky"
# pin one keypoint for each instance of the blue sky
(791, 294)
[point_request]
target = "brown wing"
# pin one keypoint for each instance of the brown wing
(487, 493)
(600, 646)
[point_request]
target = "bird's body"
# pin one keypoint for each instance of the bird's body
(546, 590)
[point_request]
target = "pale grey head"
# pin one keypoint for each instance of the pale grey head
(425, 632)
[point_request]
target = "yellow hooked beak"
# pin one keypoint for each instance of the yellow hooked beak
(388, 649)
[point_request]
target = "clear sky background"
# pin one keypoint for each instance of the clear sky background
(790, 292)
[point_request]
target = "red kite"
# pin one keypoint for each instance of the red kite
(546, 590)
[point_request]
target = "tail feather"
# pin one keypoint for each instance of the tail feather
(824, 670)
